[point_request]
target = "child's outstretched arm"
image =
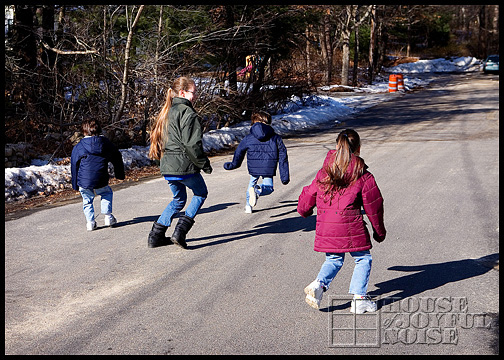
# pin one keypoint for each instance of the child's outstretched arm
(116, 160)
(74, 165)
(372, 201)
(283, 162)
(308, 199)
(238, 157)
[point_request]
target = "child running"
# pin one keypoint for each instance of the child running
(176, 142)
(340, 189)
(89, 168)
(265, 149)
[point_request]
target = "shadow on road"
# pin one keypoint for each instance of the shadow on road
(282, 226)
(426, 277)
(153, 218)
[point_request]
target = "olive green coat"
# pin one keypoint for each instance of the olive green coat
(182, 141)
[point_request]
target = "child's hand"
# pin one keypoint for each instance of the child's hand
(228, 165)
(285, 182)
(378, 238)
(306, 214)
(207, 168)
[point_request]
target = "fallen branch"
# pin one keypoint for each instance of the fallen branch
(69, 52)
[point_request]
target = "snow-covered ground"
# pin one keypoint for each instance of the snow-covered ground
(40, 177)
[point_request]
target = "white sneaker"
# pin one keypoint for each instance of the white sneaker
(252, 196)
(248, 209)
(314, 293)
(90, 226)
(110, 220)
(361, 304)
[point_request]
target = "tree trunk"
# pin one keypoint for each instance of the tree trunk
(48, 57)
(232, 58)
(258, 83)
(382, 37)
(23, 36)
(328, 42)
(326, 50)
(124, 83)
(308, 61)
(156, 55)
(372, 36)
(408, 47)
(345, 56)
(356, 48)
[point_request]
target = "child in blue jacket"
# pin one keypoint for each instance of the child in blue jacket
(89, 167)
(265, 149)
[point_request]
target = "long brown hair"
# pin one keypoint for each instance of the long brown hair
(161, 122)
(347, 144)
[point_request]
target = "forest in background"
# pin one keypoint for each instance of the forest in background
(114, 63)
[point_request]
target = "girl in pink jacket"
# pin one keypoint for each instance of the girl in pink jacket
(340, 190)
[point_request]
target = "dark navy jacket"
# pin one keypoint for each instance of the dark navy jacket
(265, 149)
(89, 162)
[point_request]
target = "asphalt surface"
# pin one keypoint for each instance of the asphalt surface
(238, 289)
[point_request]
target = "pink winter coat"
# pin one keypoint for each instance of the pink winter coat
(340, 224)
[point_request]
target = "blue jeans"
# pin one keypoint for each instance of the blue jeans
(88, 196)
(265, 188)
(360, 277)
(179, 190)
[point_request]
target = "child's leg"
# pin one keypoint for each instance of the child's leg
(106, 195)
(266, 187)
(88, 196)
(315, 290)
(361, 303)
(197, 185)
(179, 199)
(330, 268)
(360, 277)
(252, 183)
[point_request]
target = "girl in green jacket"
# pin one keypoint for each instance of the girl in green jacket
(176, 141)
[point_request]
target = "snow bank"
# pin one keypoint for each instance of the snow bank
(459, 64)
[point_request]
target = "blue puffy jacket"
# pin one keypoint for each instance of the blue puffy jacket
(265, 149)
(89, 162)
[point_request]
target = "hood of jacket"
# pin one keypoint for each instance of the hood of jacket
(262, 132)
(93, 144)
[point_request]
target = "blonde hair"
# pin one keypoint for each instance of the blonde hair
(161, 122)
(261, 116)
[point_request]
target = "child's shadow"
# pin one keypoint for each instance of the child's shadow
(427, 277)
(282, 226)
(153, 218)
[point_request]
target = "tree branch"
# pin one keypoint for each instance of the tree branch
(69, 52)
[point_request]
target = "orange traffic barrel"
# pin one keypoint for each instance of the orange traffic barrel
(392, 84)
(400, 82)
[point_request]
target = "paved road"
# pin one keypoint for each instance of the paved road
(239, 288)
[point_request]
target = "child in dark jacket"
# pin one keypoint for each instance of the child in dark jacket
(340, 189)
(265, 149)
(89, 166)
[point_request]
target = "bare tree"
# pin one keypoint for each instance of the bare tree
(372, 44)
(348, 22)
(124, 83)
